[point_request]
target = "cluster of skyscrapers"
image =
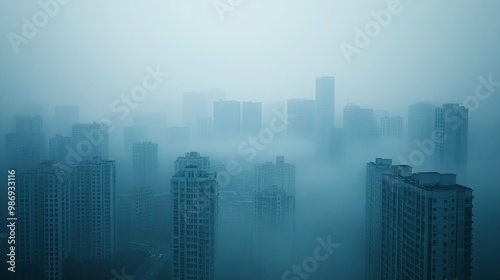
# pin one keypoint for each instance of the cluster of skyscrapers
(66, 211)
(418, 225)
(199, 206)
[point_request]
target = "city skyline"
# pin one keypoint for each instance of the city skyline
(269, 183)
(233, 139)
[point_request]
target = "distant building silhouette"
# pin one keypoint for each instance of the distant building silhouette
(142, 209)
(325, 109)
(274, 212)
(145, 164)
(58, 148)
(438, 137)
(93, 210)
(145, 179)
(227, 119)
(279, 174)
(391, 126)
(426, 224)
(421, 123)
(44, 215)
(90, 140)
(452, 124)
(25, 148)
(302, 119)
(194, 205)
(359, 122)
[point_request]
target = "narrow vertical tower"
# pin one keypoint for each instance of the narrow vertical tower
(93, 218)
(194, 207)
(451, 123)
(25, 148)
(274, 214)
(325, 109)
(374, 174)
(44, 219)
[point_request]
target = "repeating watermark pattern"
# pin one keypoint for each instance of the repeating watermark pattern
(30, 28)
(222, 7)
(122, 276)
(363, 37)
(427, 147)
(310, 264)
(11, 219)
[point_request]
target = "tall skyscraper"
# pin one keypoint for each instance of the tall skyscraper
(421, 123)
(192, 158)
(451, 122)
(145, 164)
(274, 212)
(93, 210)
(44, 219)
(325, 107)
(391, 126)
(359, 122)
(374, 173)
(302, 119)
(26, 147)
(280, 175)
(195, 207)
(438, 137)
(29, 124)
(251, 118)
(142, 209)
(227, 119)
(214, 95)
(90, 140)
(426, 224)
(145, 179)
(58, 148)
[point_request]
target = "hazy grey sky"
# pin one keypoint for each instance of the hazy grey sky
(91, 52)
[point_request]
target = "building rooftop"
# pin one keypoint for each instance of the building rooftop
(430, 180)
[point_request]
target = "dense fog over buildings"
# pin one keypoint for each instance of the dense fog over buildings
(245, 140)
